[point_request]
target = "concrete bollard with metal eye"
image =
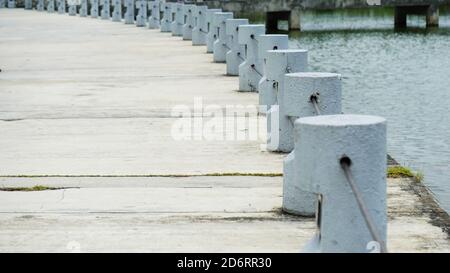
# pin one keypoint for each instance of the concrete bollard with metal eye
(105, 12)
(200, 26)
(188, 14)
(94, 8)
(72, 8)
(279, 126)
(40, 5)
(50, 6)
(178, 22)
(141, 17)
(250, 70)
(266, 43)
(221, 47)
(11, 4)
(61, 6)
(236, 54)
(342, 159)
(28, 4)
(117, 10)
(166, 22)
(211, 35)
(299, 89)
(129, 12)
(154, 21)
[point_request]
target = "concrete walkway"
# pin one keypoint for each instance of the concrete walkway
(85, 104)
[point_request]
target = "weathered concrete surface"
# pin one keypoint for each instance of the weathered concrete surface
(197, 214)
(91, 97)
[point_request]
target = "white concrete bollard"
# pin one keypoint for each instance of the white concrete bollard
(166, 22)
(61, 6)
(72, 8)
(117, 10)
(141, 17)
(154, 21)
(236, 55)
(2, 4)
(250, 71)
(199, 31)
(94, 9)
(11, 4)
(188, 13)
(266, 43)
(178, 22)
(279, 126)
(299, 89)
(321, 143)
(129, 12)
(84, 8)
(221, 45)
(211, 35)
(28, 4)
(40, 5)
(51, 6)
(106, 10)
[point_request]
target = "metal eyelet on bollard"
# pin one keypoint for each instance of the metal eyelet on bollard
(279, 126)
(221, 47)
(249, 75)
(298, 89)
(199, 30)
(94, 8)
(342, 158)
(129, 12)
(154, 21)
(166, 22)
(105, 12)
(117, 10)
(178, 22)
(211, 35)
(236, 54)
(266, 43)
(188, 14)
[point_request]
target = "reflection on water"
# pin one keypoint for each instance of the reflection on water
(401, 75)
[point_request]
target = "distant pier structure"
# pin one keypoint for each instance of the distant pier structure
(289, 10)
